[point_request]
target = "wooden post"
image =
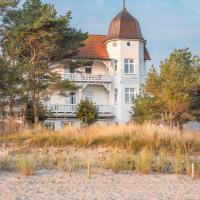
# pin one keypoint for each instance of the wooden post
(88, 170)
(193, 174)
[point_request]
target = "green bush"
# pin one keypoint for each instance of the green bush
(87, 112)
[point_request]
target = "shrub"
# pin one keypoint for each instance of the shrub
(7, 163)
(87, 112)
(118, 161)
(144, 161)
(179, 163)
(26, 165)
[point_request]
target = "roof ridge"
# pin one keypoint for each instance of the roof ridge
(97, 35)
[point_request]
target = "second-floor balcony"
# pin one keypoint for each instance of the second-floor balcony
(91, 78)
(70, 110)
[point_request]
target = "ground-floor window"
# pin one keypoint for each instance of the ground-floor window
(50, 125)
(66, 123)
(129, 95)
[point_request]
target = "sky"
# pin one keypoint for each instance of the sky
(165, 24)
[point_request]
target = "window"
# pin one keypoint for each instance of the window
(66, 123)
(46, 101)
(115, 65)
(71, 99)
(71, 70)
(116, 96)
(88, 70)
(66, 70)
(128, 44)
(129, 95)
(89, 95)
(129, 66)
(50, 125)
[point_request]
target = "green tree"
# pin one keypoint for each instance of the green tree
(11, 86)
(41, 39)
(43, 113)
(87, 112)
(170, 93)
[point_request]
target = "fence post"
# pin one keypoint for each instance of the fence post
(193, 173)
(88, 170)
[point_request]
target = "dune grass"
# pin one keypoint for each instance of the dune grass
(25, 164)
(129, 137)
(146, 149)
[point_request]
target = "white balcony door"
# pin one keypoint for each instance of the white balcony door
(71, 99)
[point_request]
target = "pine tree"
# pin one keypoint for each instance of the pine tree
(41, 38)
(87, 112)
(170, 94)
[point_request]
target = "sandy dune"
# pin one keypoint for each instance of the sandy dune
(54, 185)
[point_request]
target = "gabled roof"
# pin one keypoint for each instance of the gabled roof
(95, 48)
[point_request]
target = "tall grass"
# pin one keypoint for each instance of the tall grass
(118, 161)
(130, 137)
(144, 161)
(26, 165)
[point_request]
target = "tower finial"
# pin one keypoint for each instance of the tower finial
(124, 3)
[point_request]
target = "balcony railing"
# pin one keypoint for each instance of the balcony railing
(87, 77)
(103, 110)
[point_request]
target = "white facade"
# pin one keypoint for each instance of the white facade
(110, 83)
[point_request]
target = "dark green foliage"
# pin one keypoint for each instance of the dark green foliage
(171, 95)
(36, 38)
(87, 112)
(146, 108)
(43, 113)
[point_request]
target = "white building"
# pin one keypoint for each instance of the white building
(111, 80)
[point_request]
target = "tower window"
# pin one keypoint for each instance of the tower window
(129, 67)
(128, 44)
(116, 95)
(129, 95)
(116, 65)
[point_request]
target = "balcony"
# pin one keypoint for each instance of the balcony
(85, 78)
(69, 110)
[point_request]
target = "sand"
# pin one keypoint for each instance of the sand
(58, 185)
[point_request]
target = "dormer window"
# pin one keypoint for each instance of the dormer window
(129, 66)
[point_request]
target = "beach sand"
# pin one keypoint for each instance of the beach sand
(58, 185)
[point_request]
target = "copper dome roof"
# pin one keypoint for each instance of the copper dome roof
(124, 26)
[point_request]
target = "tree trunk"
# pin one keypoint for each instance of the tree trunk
(35, 108)
(11, 107)
(35, 112)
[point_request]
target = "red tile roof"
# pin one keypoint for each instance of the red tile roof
(95, 48)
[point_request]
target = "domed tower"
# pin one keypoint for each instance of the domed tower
(126, 46)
